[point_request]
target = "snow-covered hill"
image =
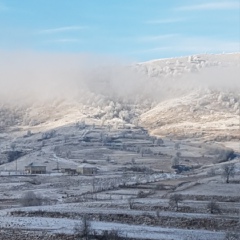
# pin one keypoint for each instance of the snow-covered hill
(203, 101)
(194, 96)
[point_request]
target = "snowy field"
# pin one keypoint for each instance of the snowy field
(158, 153)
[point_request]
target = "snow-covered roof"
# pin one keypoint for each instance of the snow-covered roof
(85, 165)
(34, 165)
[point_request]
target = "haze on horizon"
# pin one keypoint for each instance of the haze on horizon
(59, 48)
(35, 76)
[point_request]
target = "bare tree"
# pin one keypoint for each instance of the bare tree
(131, 203)
(213, 207)
(13, 146)
(177, 145)
(174, 201)
(83, 229)
(29, 133)
(153, 139)
(228, 171)
(178, 154)
(68, 154)
(65, 138)
(175, 161)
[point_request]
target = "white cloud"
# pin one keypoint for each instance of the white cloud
(156, 38)
(164, 21)
(62, 29)
(65, 40)
(219, 5)
(142, 39)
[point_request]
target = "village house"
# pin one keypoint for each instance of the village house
(35, 169)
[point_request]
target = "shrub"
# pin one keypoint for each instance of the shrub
(31, 199)
(232, 236)
(158, 142)
(223, 154)
(49, 134)
(111, 235)
(213, 207)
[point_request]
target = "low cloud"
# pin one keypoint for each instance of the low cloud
(28, 77)
(34, 76)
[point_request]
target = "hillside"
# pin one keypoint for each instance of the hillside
(206, 97)
(195, 96)
(155, 140)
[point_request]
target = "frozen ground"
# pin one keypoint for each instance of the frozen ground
(129, 231)
(176, 115)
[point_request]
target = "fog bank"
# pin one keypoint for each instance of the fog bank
(33, 76)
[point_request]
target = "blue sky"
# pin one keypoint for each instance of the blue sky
(134, 29)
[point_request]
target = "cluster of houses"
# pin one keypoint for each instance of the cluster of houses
(84, 169)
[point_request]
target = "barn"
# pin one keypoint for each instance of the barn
(86, 169)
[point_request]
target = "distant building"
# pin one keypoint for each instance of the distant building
(35, 169)
(86, 169)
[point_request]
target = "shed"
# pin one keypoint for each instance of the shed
(86, 169)
(35, 169)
